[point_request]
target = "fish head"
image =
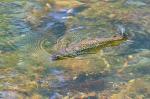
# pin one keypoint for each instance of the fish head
(118, 39)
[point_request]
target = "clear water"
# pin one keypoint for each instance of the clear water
(32, 30)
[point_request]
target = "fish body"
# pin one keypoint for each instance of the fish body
(88, 46)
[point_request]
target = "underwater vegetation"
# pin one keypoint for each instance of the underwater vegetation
(34, 31)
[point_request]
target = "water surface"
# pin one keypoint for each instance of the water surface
(31, 31)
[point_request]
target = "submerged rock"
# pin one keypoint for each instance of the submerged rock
(91, 95)
(81, 83)
(10, 95)
(134, 89)
(135, 3)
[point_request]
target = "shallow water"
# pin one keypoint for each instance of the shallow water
(31, 31)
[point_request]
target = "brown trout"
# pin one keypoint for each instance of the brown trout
(88, 46)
